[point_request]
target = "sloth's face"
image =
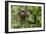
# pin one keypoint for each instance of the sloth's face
(23, 13)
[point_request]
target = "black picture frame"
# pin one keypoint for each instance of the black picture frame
(6, 16)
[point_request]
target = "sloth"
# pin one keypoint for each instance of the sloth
(23, 14)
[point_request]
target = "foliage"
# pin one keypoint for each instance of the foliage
(33, 20)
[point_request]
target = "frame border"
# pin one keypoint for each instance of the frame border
(6, 16)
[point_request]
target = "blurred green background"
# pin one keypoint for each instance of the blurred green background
(32, 21)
